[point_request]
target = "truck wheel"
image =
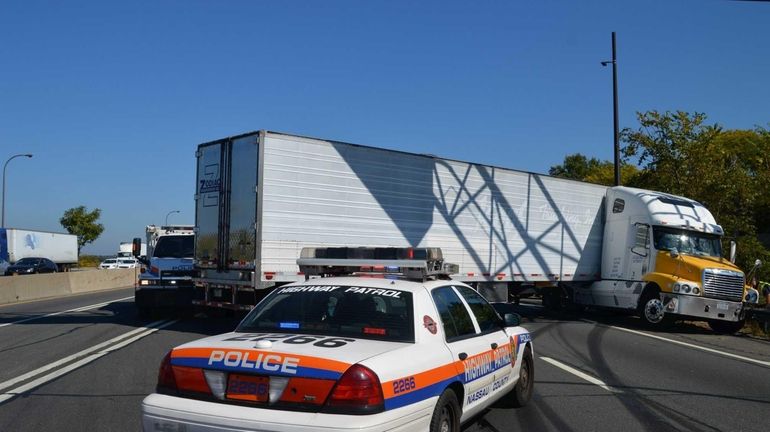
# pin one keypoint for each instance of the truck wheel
(446, 415)
(652, 310)
(552, 299)
(522, 391)
(726, 327)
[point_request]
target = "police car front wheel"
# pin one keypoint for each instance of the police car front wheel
(522, 391)
(446, 415)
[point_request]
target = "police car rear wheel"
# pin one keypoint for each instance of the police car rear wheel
(446, 415)
(522, 392)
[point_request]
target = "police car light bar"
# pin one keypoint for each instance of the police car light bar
(411, 263)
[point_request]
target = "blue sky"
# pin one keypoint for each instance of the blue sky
(112, 98)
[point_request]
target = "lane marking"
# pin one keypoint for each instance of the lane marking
(152, 326)
(80, 363)
(581, 374)
(80, 309)
(689, 345)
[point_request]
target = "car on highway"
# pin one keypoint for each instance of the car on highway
(31, 265)
(127, 263)
(109, 263)
(388, 342)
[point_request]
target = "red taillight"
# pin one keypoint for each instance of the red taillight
(190, 379)
(166, 378)
(357, 390)
(181, 378)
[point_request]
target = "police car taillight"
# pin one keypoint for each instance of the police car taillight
(172, 379)
(166, 380)
(358, 391)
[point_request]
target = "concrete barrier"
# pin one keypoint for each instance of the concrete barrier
(14, 289)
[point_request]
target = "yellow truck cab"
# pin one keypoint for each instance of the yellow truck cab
(662, 255)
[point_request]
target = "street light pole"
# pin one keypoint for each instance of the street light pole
(615, 109)
(169, 214)
(2, 218)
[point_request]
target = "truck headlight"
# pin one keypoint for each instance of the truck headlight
(686, 288)
(677, 287)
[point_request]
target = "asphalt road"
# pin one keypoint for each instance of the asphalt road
(88, 366)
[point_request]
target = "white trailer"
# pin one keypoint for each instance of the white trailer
(16, 244)
(263, 196)
(126, 249)
(286, 192)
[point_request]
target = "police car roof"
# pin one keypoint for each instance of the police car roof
(374, 282)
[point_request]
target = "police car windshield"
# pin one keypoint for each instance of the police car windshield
(344, 311)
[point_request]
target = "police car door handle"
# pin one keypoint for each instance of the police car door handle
(463, 356)
(494, 345)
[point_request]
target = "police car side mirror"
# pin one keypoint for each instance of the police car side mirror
(512, 320)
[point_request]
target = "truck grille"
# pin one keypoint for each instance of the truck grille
(176, 273)
(723, 284)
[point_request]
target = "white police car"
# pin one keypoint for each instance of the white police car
(409, 350)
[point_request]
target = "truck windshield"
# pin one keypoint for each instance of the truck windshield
(174, 247)
(687, 242)
(341, 311)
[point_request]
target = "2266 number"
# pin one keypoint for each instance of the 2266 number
(403, 385)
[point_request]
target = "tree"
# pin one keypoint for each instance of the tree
(726, 171)
(82, 223)
(578, 167)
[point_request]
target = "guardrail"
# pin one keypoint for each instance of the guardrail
(14, 289)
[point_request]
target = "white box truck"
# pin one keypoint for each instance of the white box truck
(263, 196)
(16, 244)
(126, 249)
(165, 277)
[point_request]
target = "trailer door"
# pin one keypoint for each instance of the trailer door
(208, 205)
(242, 207)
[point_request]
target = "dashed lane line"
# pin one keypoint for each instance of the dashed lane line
(580, 374)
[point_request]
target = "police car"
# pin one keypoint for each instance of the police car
(374, 340)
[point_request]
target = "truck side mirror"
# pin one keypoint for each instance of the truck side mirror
(136, 248)
(733, 251)
(673, 253)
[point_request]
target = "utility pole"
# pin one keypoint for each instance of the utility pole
(615, 109)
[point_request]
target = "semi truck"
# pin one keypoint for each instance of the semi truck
(263, 196)
(165, 276)
(126, 249)
(16, 244)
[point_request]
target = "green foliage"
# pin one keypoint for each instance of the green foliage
(82, 223)
(89, 261)
(728, 171)
(578, 167)
(725, 170)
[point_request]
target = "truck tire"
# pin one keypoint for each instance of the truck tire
(726, 327)
(522, 391)
(446, 415)
(552, 299)
(652, 311)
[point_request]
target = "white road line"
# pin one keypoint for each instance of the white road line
(689, 345)
(82, 362)
(80, 309)
(152, 326)
(581, 374)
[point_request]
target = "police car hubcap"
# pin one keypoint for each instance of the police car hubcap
(446, 422)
